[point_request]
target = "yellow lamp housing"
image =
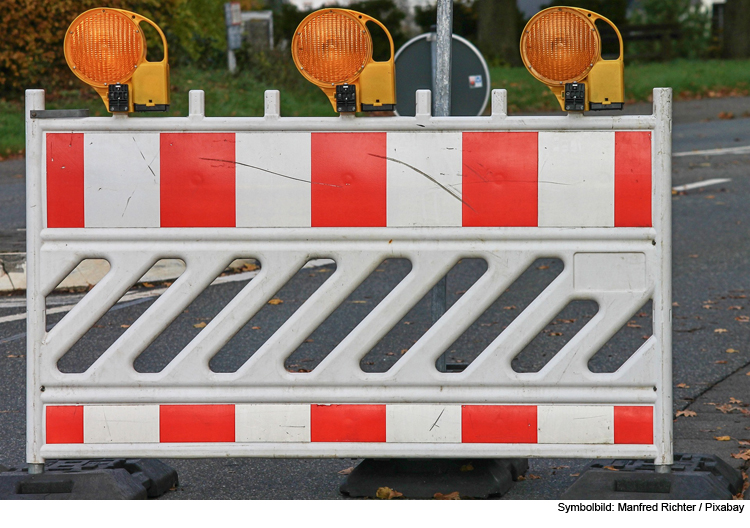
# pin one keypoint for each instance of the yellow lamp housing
(106, 49)
(561, 47)
(332, 48)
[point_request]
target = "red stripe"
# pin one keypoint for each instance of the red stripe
(197, 180)
(196, 423)
(347, 423)
(500, 179)
(634, 424)
(64, 424)
(632, 179)
(349, 179)
(500, 424)
(65, 180)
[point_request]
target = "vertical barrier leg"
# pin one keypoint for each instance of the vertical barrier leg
(35, 303)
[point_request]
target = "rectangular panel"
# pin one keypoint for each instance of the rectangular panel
(500, 182)
(347, 423)
(64, 424)
(423, 423)
(349, 179)
(634, 424)
(576, 179)
(272, 423)
(197, 180)
(103, 424)
(196, 423)
(575, 424)
(273, 179)
(633, 179)
(501, 424)
(424, 179)
(609, 271)
(121, 180)
(65, 166)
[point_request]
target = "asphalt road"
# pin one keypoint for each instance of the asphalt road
(711, 252)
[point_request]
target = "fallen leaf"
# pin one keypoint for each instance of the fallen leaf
(387, 493)
(404, 351)
(346, 471)
(726, 408)
(723, 438)
(720, 362)
(199, 325)
(732, 351)
(533, 477)
(407, 322)
(743, 442)
(734, 400)
(675, 304)
(460, 292)
(735, 308)
(15, 356)
(610, 468)
(632, 324)
(720, 331)
(275, 301)
(575, 474)
(693, 256)
(148, 285)
(726, 115)
(124, 326)
(358, 302)
(683, 386)
(742, 455)
(303, 370)
(688, 414)
(249, 267)
(450, 496)
(256, 327)
(542, 267)
(509, 307)
(467, 467)
(561, 467)
(390, 354)
(743, 318)
(555, 333)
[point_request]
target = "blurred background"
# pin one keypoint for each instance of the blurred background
(701, 48)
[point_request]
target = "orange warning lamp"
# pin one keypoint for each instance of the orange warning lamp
(106, 49)
(332, 48)
(561, 47)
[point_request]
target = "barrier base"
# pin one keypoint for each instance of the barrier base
(423, 478)
(692, 476)
(90, 479)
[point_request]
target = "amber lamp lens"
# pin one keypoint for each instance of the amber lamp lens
(331, 47)
(560, 46)
(104, 46)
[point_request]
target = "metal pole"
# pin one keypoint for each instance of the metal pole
(442, 85)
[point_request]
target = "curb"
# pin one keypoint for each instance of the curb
(90, 271)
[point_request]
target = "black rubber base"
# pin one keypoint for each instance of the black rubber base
(90, 479)
(692, 477)
(423, 478)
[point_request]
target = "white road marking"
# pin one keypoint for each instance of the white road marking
(238, 277)
(700, 184)
(714, 152)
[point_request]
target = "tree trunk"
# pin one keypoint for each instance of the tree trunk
(498, 32)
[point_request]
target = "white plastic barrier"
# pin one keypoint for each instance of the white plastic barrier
(592, 191)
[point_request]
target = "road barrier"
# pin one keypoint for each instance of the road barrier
(593, 192)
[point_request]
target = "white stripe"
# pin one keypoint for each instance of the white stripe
(121, 180)
(576, 179)
(423, 423)
(412, 198)
(714, 152)
(575, 424)
(701, 184)
(120, 424)
(272, 423)
(269, 167)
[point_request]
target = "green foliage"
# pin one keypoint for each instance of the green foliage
(694, 24)
(614, 10)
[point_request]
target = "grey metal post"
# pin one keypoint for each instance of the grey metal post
(442, 86)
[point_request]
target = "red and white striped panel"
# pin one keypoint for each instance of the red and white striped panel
(349, 179)
(397, 423)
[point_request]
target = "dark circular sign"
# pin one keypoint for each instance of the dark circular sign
(415, 66)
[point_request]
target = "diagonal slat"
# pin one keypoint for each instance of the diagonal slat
(201, 270)
(277, 270)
